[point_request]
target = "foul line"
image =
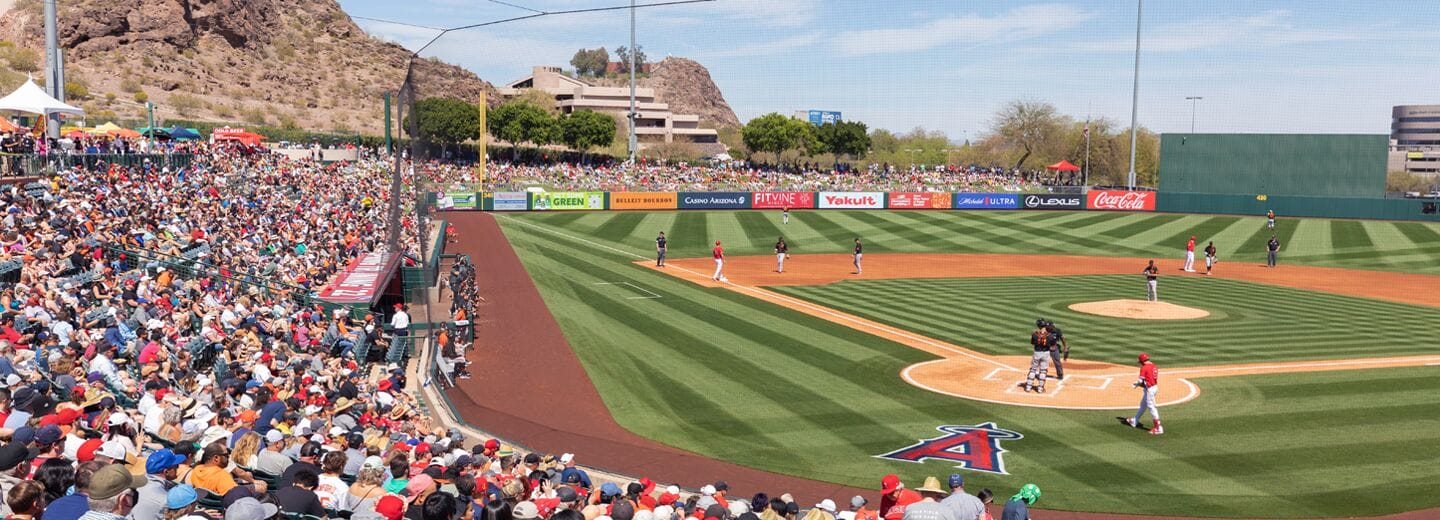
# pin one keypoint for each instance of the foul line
(1384, 362)
(763, 294)
(1191, 392)
(633, 286)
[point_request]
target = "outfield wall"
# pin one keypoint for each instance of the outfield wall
(1092, 200)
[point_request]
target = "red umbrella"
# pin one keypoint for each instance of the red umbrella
(1063, 166)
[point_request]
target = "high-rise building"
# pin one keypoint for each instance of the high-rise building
(1415, 139)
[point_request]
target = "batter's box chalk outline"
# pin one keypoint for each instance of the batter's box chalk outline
(1019, 389)
(633, 286)
(993, 373)
(1104, 382)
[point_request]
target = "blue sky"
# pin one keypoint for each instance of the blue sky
(1267, 66)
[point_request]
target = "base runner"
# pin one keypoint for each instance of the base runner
(858, 255)
(719, 254)
(1039, 359)
(781, 251)
(1149, 383)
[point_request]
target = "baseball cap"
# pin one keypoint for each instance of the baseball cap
(274, 436)
(858, 501)
(23, 435)
(48, 434)
(392, 507)
(181, 496)
(1144, 357)
(418, 485)
(162, 460)
(956, 480)
(86, 452)
(567, 494)
(12, 455)
(890, 483)
(373, 462)
(249, 509)
(114, 450)
(609, 489)
(117, 419)
(114, 479)
(709, 489)
(826, 505)
(526, 511)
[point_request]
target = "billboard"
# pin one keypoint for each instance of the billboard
(1052, 201)
(463, 200)
(783, 199)
(1121, 200)
(569, 200)
(820, 117)
(714, 200)
(987, 201)
(852, 200)
(643, 200)
(919, 200)
(509, 201)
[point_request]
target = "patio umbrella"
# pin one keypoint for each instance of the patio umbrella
(77, 134)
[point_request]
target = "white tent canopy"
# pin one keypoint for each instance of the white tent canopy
(30, 98)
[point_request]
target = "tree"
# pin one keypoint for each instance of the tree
(590, 62)
(623, 54)
(774, 133)
(1028, 125)
(847, 138)
(586, 129)
(445, 120)
(519, 122)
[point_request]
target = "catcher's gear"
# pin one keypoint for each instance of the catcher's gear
(1039, 323)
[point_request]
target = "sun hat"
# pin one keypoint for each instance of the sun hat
(114, 479)
(249, 508)
(932, 485)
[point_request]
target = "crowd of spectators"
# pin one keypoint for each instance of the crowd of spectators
(566, 176)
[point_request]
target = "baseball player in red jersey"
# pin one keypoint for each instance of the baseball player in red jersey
(1149, 382)
(719, 254)
(1190, 255)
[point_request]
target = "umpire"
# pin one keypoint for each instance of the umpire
(1059, 348)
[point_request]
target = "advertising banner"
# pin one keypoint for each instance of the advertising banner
(852, 200)
(1121, 200)
(510, 201)
(1052, 201)
(363, 280)
(919, 200)
(463, 200)
(643, 200)
(987, 201)
(783, 199)
(569, 201)
(714, 200)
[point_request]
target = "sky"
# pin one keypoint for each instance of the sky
(1330, 66)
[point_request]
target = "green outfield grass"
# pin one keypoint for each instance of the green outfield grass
(738, 379)
(1248, 322)
(1396, 246)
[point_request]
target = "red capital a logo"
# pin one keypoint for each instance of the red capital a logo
(970, 447)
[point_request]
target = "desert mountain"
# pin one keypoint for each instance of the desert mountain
(297, 63)
(686, 86)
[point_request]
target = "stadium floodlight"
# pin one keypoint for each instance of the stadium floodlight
(1135, 90)
(1193, 100)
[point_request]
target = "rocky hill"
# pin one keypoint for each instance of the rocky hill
(292, 63)
(686, 85)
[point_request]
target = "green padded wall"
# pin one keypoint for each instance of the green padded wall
(1305, 165)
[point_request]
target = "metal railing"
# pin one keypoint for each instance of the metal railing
(22, 165)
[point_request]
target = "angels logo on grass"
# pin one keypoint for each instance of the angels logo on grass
(975, 448)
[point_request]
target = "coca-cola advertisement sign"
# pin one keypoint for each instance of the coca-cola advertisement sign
(1120, 200)
(1052, 201)
(782, 199)
(852, 200)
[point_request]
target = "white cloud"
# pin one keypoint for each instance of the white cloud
(768, 48)
(1268, 29)
(1018, 23)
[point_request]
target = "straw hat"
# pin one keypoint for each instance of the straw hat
(932, 485)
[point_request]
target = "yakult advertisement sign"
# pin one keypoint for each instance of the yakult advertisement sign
(783, 199)
(1119, 200)
(852, 200)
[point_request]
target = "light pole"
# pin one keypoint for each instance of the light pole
(1193, 100)
(1135, 90)
(634, 144)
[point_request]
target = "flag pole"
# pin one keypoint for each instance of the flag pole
(1087, 151)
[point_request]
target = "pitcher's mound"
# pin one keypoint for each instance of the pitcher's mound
(1140, 310)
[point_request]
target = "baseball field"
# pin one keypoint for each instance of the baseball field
(1302, 391)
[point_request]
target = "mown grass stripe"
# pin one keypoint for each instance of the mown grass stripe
(619, 227)
(1349, 233)
(689, 236)
(908, 233)
(1140, 225)
(1420, 234)
(761, 231)
(826, 227)
(1203, 232)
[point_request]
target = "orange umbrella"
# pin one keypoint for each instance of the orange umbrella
(77, 134)
(123, 132)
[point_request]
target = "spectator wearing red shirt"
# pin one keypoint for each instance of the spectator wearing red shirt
(894, 498)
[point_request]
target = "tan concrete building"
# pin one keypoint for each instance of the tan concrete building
(1415, 139)
(654, 122)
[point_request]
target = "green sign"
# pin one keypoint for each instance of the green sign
(569, 201)
(464, 200)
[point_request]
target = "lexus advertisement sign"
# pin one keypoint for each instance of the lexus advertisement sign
(1052, 201)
